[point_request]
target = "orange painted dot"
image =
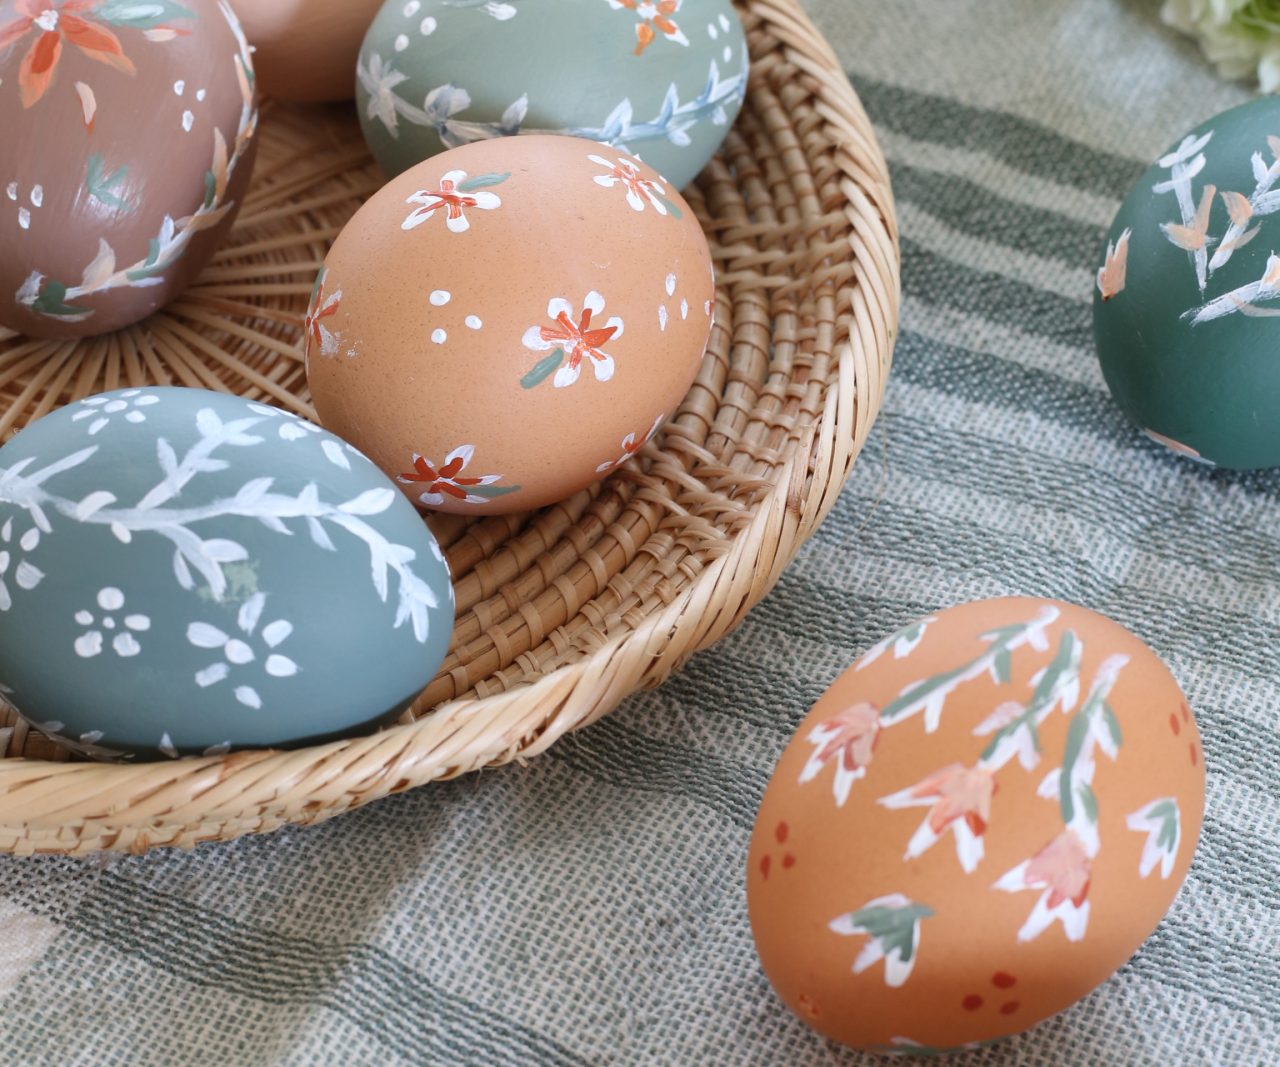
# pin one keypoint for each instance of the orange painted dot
(1003, 981)
(972, 1002)
(788, 860)
(809, 1006)
(1010, 1007)
(1193, 753)
(781, 832)
(1173, 724)
(764, 867)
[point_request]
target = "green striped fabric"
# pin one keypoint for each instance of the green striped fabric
(590, 909)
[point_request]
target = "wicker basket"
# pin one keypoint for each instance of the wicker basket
(561, 612)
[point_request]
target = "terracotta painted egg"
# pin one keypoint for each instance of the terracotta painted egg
(507, 323)
(127, 147)
(1186, 308)
(662, 79)
(306, 49)
(187, 572)
(974, 827)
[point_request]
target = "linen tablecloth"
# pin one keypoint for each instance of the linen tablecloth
(589, 909)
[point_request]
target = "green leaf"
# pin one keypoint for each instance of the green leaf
(674, 211)
(1061, 662)
(52, 301)
(142, 14)
(894, 926)
(210, 189)
(148, 269)
(1076, 733)
(479, 181)
(98, 186)
(154, 254)
(1088, 801)
(543, 368)
(1113, 724)
(490, 490)
(1002, 666)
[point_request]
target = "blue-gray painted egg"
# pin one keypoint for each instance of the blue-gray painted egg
(659, 79)
(187, 572)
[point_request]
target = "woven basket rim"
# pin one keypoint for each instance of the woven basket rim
(804, 162)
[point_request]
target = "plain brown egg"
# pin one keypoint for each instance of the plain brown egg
(306, 49)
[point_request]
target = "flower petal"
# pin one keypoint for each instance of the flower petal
(12, 30)
(458, 224)
(594, 302)
(38, 66)
(533, 339)
(567, 375)
(558, 304)
(95, 42)
(486, 201)
(462, 452)
(602, 364)
(615, 324)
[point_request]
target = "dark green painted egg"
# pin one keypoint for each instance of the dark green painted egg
(659, 79)
(1186, 304)
(187, 572)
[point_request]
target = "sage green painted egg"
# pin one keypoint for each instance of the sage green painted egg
(660, 79)
(187, 572)
(1186, 303)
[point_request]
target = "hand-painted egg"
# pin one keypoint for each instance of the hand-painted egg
(1187, 296)
(662, 79)
(127, 147)
(185, 572)
(974, 827)
(306, 49)
(511, 321)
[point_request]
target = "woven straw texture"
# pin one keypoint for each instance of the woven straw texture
(563, 612)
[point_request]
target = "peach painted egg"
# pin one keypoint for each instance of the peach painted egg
(126, 144)
(510, 321)
(974, 827)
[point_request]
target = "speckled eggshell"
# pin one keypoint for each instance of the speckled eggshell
(306, 49)
(661, 78)
(127, 145)
(974, 827)
(509, 322)
(184, 572)
(1187, 293)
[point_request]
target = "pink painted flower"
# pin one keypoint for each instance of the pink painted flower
(452, 200)
(848, 738)
(1062, 871)
(57, 23)
(958, 799)
(630, 447)
(576, 339)
(638, 189)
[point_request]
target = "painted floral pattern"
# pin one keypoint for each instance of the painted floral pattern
(1111, 275)
(848, 739)
(958, 799)
(892, 924)
(447, 480)
(572, 342)
(321, 307)
(238, 652)
(1161, 821)
(456, 193)
(639, 191)
(1061, 871)
(655, 18)
(903, 641)
(630, 446)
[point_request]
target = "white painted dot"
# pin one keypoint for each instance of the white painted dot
(136, 416)
(97, 425)
(212, 674)
(7, 530)
(142, 401)
(711, 29)
(131, 392)
(473, 322)
(281, 666)
(110, 598)
(237, 651)
(728, 53)
(248, 696)
(12, 190)
(109, 623)
(179, 87)
(24, 218)
(275, 632)
(89, 644)
(671, 284)
(200, 95)
(136, 622)
(440, 297)
(428, 26)
(662, 316)
(94, 401)
(126, 645)
(188, 120)
(724, 22)
(439, 336)
(37, 195)
(411, 8)
(115, 405)
(684, 309)
(4, 556)
(402, 42)
(84, 618)
(30, 540)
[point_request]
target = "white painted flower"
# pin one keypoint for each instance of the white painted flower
(125, 645)
(239, 653)
(638, 189)
(27, 574)
(101, 408)
(1161, 821)
(378, 82)
(454, 194)
(630, 447)
(447, 480)
(576, 340)
(293, 427)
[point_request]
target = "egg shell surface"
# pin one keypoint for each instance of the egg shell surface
(663, 80)
(306, 49)
(184, 572)
(128, 145)
(1187, 292)
(508, 323)
(974, 827)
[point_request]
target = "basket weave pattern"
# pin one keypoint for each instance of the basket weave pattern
(562, 612)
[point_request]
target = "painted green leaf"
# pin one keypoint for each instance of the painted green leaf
(52, 301)
(674, 211)
(1061, 663)
(1167, 812)
(142, 14)
(1002, 665)
(543, 368)
(1113, 724)
(479, 181)
(894, 927)
(210, 188)
(1076, 733)
(490, 490)
(148, 269)
(100, 186)
(1088, 801)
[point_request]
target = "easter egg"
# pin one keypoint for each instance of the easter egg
(187, 572)
(662, 79)
(127, 148)
(508, 322)
(1186, 304)
(306, 49)
(974, 827)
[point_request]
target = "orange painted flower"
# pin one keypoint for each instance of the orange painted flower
(447, 480)
(576, 339)
(848, 738)
(56, 23)
(655, 18)
(321, 309)
(959, 799)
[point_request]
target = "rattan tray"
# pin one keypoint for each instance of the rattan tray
(564, 611)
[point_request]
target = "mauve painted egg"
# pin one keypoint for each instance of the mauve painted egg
(662, 79)
(974, 827)
(306, 49)
(185, 572)
(511, 321)
(127, 147)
